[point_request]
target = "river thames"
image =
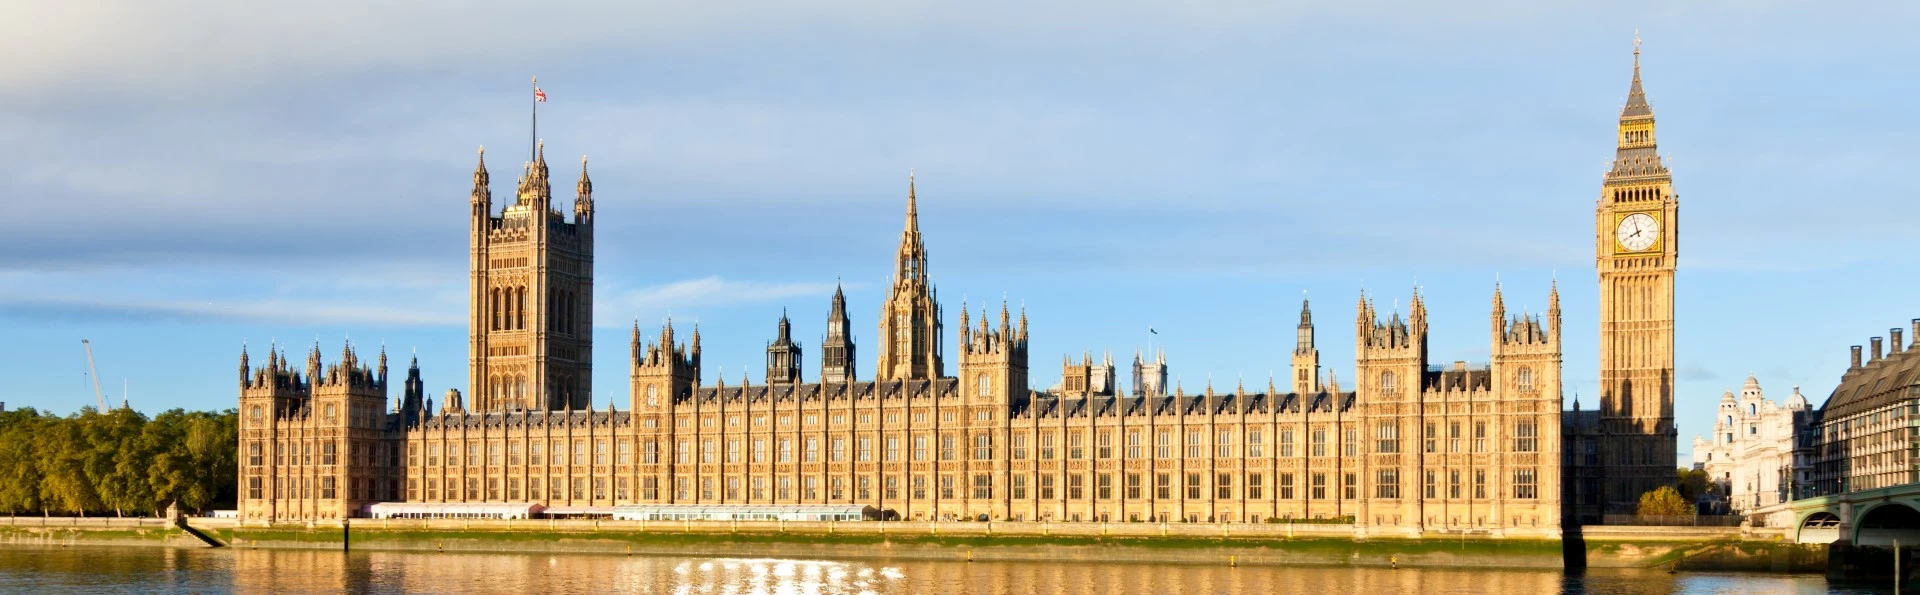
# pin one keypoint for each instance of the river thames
(163, 570)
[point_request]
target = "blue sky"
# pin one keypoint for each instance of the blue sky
(188, 177)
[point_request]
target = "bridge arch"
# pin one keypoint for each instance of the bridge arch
(1885, 522)
(1819, 527)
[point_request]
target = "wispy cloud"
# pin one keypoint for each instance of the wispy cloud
(286, 312)
(394, 293)
(177, 47)
(614, 308)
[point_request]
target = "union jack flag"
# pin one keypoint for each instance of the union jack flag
(539, 95)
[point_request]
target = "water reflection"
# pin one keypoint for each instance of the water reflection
(156, 570)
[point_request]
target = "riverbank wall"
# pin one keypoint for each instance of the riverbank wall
(81, 531)
(1694, 548)
(1683, 548)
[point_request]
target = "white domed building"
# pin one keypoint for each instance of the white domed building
(1750, 455)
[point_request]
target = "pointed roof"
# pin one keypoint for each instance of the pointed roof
(1637, 155)
(913, 210)
(480, 178)
(1306, 314)
(1637, 106)
(911, 262)
(584, 190)
(839, 313)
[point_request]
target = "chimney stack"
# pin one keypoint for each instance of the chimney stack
(1916, 334)
(1893, 341)
(1856, 358)
(1876, 350)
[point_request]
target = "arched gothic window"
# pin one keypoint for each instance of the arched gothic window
(1386, 382)
(984, 384)
(520, 309)
(494, 300)
(1525, 379)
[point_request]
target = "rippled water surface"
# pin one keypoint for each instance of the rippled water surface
(157, 570)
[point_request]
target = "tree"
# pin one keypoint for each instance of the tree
(1664, 501)
(19, 471)
(117, 461)
(1692, 482)
(62, 461)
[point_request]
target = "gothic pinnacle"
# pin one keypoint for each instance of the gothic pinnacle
(913, 209)
(1636, 98)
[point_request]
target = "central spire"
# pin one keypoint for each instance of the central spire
(913, 210)
(910, 318)
(1637, 153)
(1637, 106)
(912, 264)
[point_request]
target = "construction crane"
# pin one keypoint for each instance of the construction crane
(99, 399)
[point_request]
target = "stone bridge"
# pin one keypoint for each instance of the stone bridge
(1866, 517)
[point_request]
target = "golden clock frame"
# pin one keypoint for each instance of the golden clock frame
(1659, 242)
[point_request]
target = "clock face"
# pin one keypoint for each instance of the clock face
(1637, 232)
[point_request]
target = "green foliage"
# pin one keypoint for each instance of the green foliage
(118, 462)
(1664, 501)
(1692, 482)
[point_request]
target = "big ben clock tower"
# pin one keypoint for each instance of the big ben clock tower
(1636, 243)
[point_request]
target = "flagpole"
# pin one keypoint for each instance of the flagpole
(534, 146)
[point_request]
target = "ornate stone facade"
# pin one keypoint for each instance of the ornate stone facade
(1636, 244)
(910, 327)
(531, 323)
(1415, 447)
(1750, 454)
(319, 444)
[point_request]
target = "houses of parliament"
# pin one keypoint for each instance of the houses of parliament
(1412, 445)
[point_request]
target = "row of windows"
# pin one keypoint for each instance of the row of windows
(324, 488)
(1223, 446)
(358, 417)
(1192, 486)
(534, 457)
(556, 489)
(1522, 379)
(810, 419)
(375, 454)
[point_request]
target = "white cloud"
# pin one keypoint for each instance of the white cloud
(209, 47)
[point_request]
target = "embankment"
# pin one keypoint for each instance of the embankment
(1697, 548)
(71, 531)
(1244, 545)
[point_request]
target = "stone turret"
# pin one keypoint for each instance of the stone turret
(1306, 357)
(783, 355)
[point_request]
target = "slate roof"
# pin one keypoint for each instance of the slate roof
(1880, 383)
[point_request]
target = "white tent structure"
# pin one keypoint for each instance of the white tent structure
(745, 512)
(454, 510)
